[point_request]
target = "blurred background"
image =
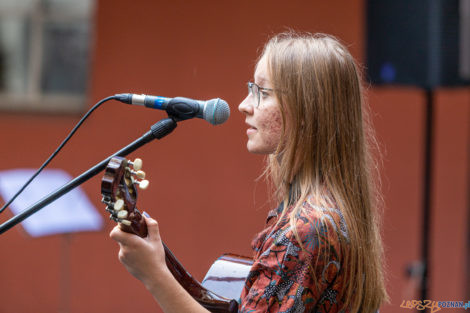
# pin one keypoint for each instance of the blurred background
(59, 57)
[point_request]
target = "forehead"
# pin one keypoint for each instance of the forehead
(261, 71)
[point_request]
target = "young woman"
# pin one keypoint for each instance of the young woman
(321, 249)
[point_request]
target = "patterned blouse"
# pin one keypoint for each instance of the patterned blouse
(281, 277)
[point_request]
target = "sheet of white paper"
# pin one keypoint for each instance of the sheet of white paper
(73, 212)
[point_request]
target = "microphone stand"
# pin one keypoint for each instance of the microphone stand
(157, 131)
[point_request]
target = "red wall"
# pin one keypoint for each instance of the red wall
(203, 189)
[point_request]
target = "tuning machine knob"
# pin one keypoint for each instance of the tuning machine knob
(139, 174)
(118, 205)
(122, 214)
(137, 164)
(143, 184)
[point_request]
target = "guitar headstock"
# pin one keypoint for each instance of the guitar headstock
(119, 191)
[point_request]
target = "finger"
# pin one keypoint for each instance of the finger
(114, 233)
(152, 227)
(120, 236)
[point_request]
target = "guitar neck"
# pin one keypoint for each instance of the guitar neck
(118, 188)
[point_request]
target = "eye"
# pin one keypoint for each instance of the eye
(264, 93)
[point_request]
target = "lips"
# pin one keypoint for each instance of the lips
(251, 129)
(251, 126)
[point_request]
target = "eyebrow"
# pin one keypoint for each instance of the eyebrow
(261, 81)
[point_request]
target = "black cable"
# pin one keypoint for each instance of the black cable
(427, 205)
(468, 206)
(56, 151)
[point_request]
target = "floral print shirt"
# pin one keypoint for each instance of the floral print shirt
(281, 278)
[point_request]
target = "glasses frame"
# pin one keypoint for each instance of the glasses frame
(255, 91)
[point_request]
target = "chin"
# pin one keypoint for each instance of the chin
(256, 149)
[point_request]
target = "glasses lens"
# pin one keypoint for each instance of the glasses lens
(254, 91)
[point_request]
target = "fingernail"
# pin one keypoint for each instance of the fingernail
(146, 214)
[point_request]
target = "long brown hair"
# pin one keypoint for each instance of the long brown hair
(324, 152)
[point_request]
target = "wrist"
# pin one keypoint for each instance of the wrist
(170, 295)
(158, 280)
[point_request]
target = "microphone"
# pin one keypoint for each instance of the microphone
(215, 111)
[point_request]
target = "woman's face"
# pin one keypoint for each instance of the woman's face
(264, 121)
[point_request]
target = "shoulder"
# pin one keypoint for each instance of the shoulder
(319, 221)
(298, 262)
(305, 233)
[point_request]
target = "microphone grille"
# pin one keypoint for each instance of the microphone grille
(216, 111)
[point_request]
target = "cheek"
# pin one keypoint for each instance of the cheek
(272, 127)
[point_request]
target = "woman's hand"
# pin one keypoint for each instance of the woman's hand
(144, 258)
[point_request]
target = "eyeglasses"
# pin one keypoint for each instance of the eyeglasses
(256, 91)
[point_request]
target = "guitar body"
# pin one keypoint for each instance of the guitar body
(223, 284)
(226, 277)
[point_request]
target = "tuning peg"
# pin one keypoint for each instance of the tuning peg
(119, 205)
(143, 184)
(120, 220)
(139, 174)
(106, 200)
(122, 214)
(137, 164)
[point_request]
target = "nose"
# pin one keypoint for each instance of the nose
(246, 106)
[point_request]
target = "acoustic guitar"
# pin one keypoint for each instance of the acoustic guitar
(225, 279)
